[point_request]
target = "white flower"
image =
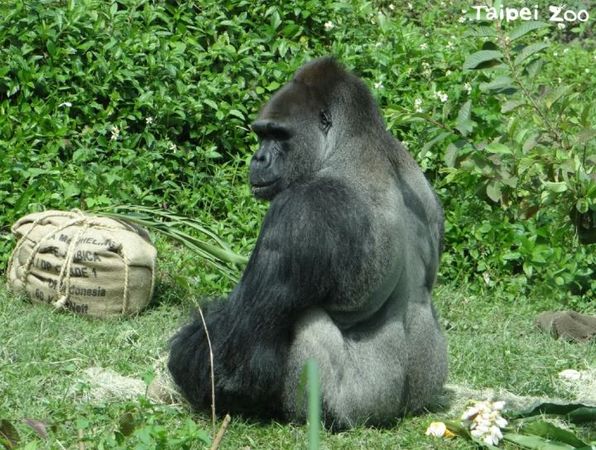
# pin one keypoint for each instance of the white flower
(468, 88)
(478, 432)
(570, 375)
(462, 19)
(379, 85)
(490, 439)
(485, 421)
(67, 104)
(115, 133)
(423, 46)
(472, 411)
(436, 429)
(500, 421)
(555, 54)
(418, 105)
(499, 405)
(450, 45)
(442, 96)
(561, 26)
(486, 278)
(410, 6)
(329, 26)
(149, 120)
(392, 7)
(448, 72)
(565, 50)
(171, 146)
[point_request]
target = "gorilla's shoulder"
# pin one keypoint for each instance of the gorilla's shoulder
(325, 203)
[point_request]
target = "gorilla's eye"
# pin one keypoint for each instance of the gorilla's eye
(325, 118)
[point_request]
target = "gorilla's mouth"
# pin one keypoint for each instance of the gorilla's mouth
(263, 188)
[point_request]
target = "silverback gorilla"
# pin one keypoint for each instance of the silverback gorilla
(342, 271)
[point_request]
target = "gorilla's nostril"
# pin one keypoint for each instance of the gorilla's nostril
(263, 157)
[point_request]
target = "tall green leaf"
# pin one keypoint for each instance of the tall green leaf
(557, 94)
(439, 138)
(493, 191)
(483, 56)
(510, 105)
(525, 28)
(481, 31)
(500, 85)
(497, 147)
(576, 412)
(535, 442)
(547, 430)
(528, 51)
(314, 404)
(464, 124)
(534, 68)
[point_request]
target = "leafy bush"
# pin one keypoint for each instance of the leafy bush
(521, 148)
(149, 103)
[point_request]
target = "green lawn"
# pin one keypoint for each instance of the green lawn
(492, 343)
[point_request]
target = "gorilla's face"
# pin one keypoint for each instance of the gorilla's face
(292, 130)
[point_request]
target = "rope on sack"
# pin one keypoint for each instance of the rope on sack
(65, 272)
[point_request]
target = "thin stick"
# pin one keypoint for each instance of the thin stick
(212, 371)
(221, 432)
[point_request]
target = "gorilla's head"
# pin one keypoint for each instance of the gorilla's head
(303, 124)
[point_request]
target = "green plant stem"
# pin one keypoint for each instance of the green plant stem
(314, 404)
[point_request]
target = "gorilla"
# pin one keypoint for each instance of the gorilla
(342, 271)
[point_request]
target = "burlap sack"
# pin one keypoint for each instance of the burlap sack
(91, 265)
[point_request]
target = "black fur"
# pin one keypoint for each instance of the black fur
(342, 270)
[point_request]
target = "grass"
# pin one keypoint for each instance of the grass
(492, 343)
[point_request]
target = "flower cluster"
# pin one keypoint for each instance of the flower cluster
(418, 105)
(485, 421)
(442, 96)
(115, 133)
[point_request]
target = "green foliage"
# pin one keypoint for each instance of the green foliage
(149, 103)
(210, 248)
(520, 147)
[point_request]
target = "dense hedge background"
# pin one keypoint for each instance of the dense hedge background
(149, 103)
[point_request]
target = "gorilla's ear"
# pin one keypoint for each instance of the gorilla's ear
(321, 74)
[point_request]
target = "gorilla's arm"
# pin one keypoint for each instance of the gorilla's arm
(310, 251)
